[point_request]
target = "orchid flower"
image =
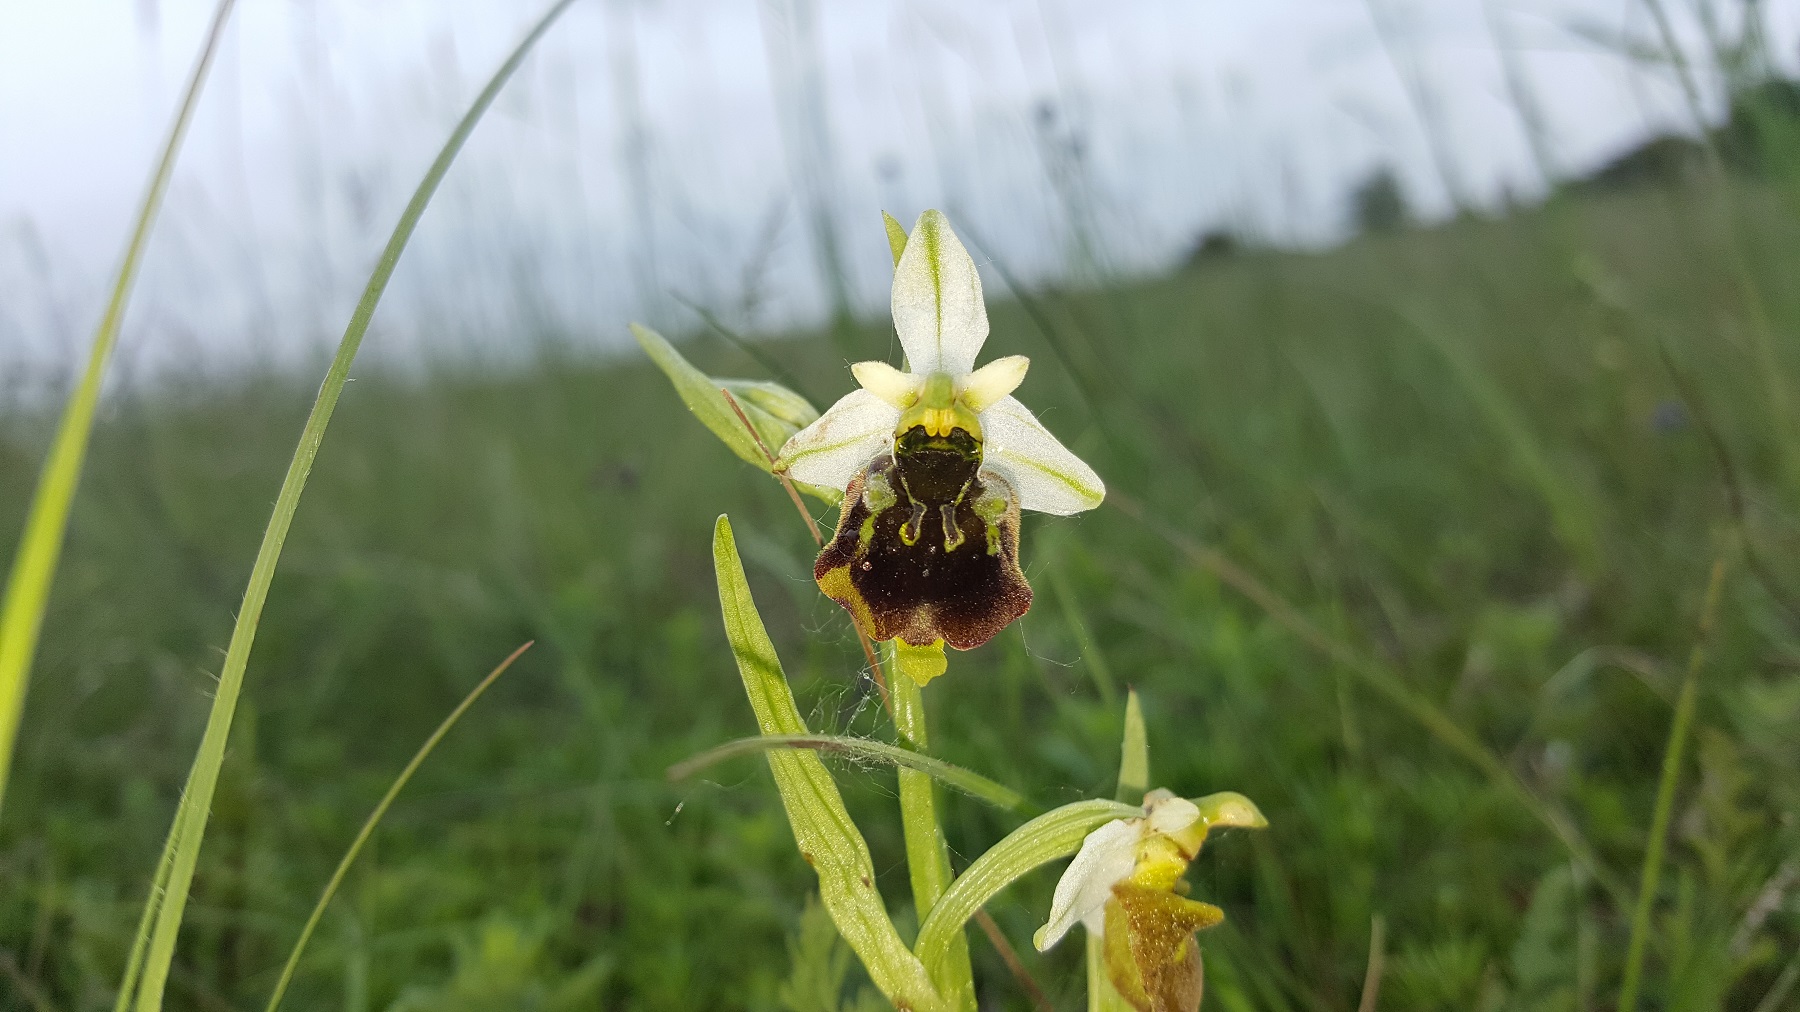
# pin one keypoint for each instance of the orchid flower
(935, 464)
(1124, 886)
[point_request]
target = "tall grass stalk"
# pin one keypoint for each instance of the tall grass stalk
(1388, 684)
(1665, 796)
(374, 819)
(1761, 327)
(196, 802)
(28, 588)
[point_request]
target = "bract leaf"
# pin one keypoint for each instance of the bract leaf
(827, 839)
(1055, 834)
(896, 234)
(775, 411)
(1134, 753)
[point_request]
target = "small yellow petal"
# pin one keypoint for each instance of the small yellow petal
(886, 382)
(987, 385)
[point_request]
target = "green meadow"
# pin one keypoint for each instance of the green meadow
(1410, 541)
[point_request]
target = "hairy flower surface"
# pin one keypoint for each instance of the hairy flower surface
(935, 464)
(1125, 887)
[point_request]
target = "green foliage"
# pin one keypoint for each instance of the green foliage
(820, 965)
(1275, 407)
(1542, 973)
(170, 898)
(498, 966)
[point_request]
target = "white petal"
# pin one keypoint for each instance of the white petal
(886, 382)
(1049, 478)
(1172, 815)
(832, 450)
(1106, 857)
(987, 385)
(937, 304)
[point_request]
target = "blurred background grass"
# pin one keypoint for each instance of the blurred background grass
(1497, 454)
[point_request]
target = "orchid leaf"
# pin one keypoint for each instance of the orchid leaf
(827, 839)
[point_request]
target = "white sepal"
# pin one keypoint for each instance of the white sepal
(1048, 477)
(832, 450)
(938, 311)
(1106, 858)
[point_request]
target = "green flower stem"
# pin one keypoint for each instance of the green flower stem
(1665, 798)
(927, 853)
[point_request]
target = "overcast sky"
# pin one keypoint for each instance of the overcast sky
(321, 115)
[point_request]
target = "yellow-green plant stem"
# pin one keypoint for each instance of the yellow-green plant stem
(28, 587)
(374, 819)
(927, 853)
(191, 817)
(1665, 797)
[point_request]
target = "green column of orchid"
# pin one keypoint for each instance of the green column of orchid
(927, 853)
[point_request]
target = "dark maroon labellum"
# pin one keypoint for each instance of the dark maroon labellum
(927, 545)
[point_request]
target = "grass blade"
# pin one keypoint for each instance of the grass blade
(191, 818)
(973, 784)
(28, 587)
(827, 838)
(159, 880)
(368, 826)
(1389, 685)
(1665, 797)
